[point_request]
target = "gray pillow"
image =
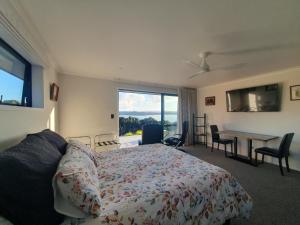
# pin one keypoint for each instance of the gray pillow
(26, 193)
(53, 138)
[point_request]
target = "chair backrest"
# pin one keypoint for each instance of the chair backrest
(152, 133)
(285, 144)
(185, 129)
(214, 132)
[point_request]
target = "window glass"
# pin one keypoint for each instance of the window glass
(11, 64)
(15, 77)
(11, 89)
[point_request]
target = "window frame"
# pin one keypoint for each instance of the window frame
(162, 100)
(27, 85)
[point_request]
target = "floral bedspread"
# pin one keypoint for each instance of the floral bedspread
(158, 185)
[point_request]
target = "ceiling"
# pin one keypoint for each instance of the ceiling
(147, 41)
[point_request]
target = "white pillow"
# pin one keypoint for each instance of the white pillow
(83, 147)
(75, 184)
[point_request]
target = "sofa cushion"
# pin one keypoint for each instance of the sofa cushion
(26, 172)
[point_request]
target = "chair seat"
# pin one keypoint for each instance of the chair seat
(225, 141)
(268, 151)
(172, 141)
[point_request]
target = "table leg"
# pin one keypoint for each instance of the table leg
(250, 150)
(235, 146)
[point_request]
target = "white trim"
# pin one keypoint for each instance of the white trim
(17, 29)
(18, 108)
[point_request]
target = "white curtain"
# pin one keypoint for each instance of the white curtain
(187, 106)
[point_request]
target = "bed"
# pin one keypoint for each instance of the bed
(156, 184)
(145, 185)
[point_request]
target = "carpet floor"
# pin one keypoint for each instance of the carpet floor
(276, 198)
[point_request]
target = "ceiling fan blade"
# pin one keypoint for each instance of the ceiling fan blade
(196, 74)
(254, 50)
(192, 63)
(231, 67)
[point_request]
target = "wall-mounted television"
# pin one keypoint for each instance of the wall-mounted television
(254, 99)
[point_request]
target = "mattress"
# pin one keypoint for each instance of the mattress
(157, 184)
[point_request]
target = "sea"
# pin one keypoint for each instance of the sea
(169, 117)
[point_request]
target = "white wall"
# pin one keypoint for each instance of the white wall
(86, 104)
(16, 122)
(273, 123)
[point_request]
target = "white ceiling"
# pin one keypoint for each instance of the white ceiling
(147, 41)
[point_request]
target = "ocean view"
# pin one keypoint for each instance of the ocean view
(169, 116)
(139, 109)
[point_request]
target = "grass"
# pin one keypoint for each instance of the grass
(138, 132)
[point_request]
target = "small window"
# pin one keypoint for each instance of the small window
(15, 77)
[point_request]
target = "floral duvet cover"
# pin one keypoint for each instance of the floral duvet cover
(159, 185)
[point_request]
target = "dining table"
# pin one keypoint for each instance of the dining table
(250, 137)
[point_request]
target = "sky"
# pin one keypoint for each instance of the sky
(129, 101)
(11, 87)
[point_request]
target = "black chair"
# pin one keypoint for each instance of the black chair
(283, 151)
(152, 133)
(180, 140)
(216, 139)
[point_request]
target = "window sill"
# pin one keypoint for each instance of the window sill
(17, 108)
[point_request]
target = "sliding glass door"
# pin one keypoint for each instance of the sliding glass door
(137, 109)
(169, 114)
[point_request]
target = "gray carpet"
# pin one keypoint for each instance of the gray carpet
(276, 199)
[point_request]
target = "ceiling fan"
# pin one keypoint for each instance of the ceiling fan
(205, 68)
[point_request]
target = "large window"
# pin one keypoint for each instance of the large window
(15, 77)
(137, 109)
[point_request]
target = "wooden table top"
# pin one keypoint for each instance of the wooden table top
(253, 136)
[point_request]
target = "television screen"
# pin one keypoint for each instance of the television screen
(254, 99)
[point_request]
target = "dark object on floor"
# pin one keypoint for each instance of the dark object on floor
(227, 222)
(180, 139)
(282, 152)
(152, 133)
(216, 139)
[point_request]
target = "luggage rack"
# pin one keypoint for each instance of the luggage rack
(83, 139)
(102, 142)
(106, 141)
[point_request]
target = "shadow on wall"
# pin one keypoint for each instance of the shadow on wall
(51, 124)
(10, 142)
